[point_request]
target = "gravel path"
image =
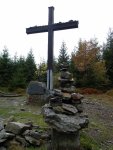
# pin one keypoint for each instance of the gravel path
(100, 111)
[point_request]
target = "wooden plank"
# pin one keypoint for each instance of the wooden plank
(37, 29)
(54, 27)
(66, 25)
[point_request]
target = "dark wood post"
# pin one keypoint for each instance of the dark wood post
(50, 28)
(50, 49)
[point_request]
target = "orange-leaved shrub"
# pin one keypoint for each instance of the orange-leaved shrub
(90, 91)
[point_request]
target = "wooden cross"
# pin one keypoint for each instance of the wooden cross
(50, 28)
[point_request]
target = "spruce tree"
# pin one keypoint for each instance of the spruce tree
(6, 67)
(108, 56)
(30, 67)
(63, 56)
(19, 74)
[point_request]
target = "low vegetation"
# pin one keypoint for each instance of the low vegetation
(99, 107)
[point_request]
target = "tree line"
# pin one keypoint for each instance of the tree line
(90, 63)
(16, 72)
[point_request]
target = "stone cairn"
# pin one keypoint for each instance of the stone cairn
(64, 114)
(19, 136)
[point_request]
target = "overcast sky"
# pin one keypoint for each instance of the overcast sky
(95, 18)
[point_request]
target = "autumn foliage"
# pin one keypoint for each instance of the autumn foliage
(89, 68)
(89, 91)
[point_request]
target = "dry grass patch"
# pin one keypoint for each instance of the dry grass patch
(110, 92)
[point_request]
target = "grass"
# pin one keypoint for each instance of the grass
(23, 116)
(96, 141)
(5, 112)
(110, 92)
(88, 143)
(44, 147)
(100, 131)
(27, 116)
(31, 113)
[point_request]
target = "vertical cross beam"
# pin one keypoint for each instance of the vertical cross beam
(50, 28)
(50, 49)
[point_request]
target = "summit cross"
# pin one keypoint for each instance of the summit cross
(50, 28)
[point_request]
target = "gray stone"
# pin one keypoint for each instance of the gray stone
(68, 90)
(66, 75)
(65, 109)
(76, 96)
(4, 136)
(66, 95)
(55, 101)
(64, 123)
(59, 109)
(65, 81)
(1, 125)
(33, 134)
(45, 136)
(36, 127)
(72, 109)
(19, 135)
(16, 127)
(36, 88)
(22, 141)
(3, 140)
(57, 92)
(79, 107)
(47, 111)
(32, 140)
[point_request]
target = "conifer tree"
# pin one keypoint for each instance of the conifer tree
(108, 56)
(5, 68)
(30, 67)
(63, 56)
(19, 74)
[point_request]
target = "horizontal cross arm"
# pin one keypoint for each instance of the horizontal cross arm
(54, 27)
(66, 25)
(37, 29)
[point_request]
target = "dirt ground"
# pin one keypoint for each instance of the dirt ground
(100, 112)
(98, 107)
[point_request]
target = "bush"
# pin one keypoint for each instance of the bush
(110, 92)
(89, 91)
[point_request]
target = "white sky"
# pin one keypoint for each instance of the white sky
(95, 18)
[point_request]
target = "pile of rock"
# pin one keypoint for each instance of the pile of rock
(21, 135)
(64, 114)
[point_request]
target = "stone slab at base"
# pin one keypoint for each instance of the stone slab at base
(65, 141)
(37, 99)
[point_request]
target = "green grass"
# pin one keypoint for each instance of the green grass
(23, 116)
(95, 141)
(4, 89)
(28, 116)
(43, 147)
(88, 143)
(6, 112)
